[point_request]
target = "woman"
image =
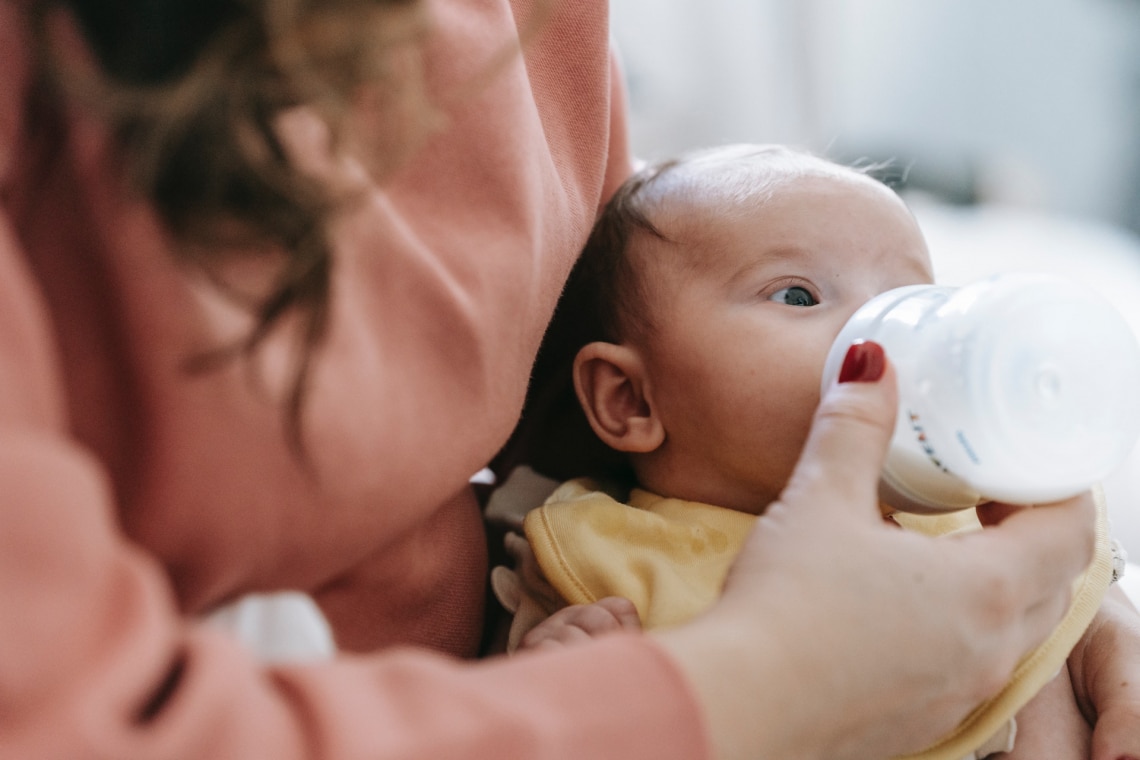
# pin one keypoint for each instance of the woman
(272, 277)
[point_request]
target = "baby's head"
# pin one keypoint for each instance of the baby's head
(716, 284)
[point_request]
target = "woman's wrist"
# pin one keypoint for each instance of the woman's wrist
(741, 691)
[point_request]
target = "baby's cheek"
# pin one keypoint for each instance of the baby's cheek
(790, 434)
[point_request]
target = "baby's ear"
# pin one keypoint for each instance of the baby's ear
(615, 393)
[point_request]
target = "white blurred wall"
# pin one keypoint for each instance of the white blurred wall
(710, 72)
(1039, 98)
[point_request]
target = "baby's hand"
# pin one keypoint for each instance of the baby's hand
(581, 622)
(1051, 725)
(1106, 677)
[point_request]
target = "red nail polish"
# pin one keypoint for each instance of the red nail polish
(864, 363)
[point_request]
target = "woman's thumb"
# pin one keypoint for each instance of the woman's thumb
(845, 450)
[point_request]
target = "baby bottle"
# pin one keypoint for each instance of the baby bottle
(1021, 388)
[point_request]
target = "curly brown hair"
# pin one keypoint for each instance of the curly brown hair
(191, 91)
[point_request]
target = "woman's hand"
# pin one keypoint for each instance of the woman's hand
(1105, 666)
(840, 637)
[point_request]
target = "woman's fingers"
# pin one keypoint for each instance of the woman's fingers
(840, 465)
(1038, 551)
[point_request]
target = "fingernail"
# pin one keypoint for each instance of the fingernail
(864, 363)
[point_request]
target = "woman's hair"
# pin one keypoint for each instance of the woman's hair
(192, 90)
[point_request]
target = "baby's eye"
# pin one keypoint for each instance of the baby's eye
(794, 296)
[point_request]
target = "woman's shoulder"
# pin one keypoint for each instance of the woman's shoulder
(15, 57)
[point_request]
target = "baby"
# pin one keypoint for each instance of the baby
(701, 310)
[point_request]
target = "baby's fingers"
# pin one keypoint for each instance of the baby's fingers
(623, 611)
(1108, 669)
(1117, 733)
(582, 622)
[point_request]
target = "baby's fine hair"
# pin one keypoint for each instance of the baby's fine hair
(607, 282)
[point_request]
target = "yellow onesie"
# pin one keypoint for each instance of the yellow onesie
(670, 558)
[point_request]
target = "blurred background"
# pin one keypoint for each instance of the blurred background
(1027, 102)
(1013, 125)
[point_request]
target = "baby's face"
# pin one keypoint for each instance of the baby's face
(744, 315)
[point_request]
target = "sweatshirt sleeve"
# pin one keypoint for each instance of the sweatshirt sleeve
(620, 159)
(96, 663)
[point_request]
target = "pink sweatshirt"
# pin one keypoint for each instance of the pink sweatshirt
(134, 496)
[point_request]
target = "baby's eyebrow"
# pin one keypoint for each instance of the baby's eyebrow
(766, 257)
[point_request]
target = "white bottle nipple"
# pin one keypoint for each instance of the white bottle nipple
(1020, 388)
